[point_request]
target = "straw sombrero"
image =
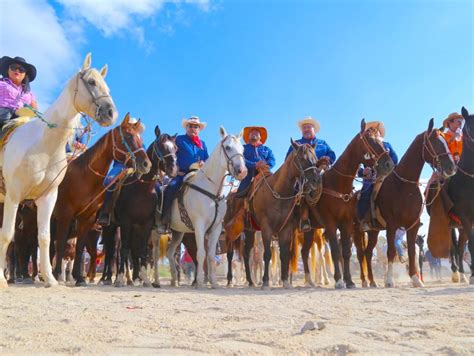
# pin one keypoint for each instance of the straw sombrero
(311, 121)
(249, 129)
(193, 120)
(452, 116)
(378, 125)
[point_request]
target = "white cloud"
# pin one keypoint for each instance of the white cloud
(38, 36)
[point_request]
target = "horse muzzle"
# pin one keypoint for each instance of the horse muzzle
(241, 173)
(106, 114)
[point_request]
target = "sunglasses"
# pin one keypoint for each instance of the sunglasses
(194, 126)
(16, 67)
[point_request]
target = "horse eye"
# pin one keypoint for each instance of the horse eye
(91, 82)
(227, 148)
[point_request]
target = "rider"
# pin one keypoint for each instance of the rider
(368, 175)
(453, 134)
(191, 155)
(257, 156)
(107, 206)
(309, 128)
(77, 143)
(15, 92)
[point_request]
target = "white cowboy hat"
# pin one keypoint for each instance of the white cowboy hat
(378, 125)
(311, 121)
(134, 120)
(193, 120)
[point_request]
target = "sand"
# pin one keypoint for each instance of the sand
(136, 320)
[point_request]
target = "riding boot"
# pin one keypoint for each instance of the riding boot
(162, 221)
(105, 211)
(305, 223)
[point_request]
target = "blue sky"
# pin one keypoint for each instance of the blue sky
(269, 63)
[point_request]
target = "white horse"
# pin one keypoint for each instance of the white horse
(206, 213)
(33, 162)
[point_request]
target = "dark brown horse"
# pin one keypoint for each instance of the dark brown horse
(461, 192)
(136, 208)
(81, 193)
(273, 202)
(336, 208)
(401, 202)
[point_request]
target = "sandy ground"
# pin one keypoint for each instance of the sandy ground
(239, 320)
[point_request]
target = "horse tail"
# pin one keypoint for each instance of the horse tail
(313, 257)
(163, 246)
(294, 253)
(328, 257)
(274, 259)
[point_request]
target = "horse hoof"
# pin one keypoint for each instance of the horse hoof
(173, 284)
(199, 285)
(136, 283)
(266, 287)
(156, 285)
(3, 284)
(309, 284)
(455, 277)
(229, 284)
(81, 283)
(365, 284)
(416, 282)
(389, 284)
(373, 285)
(464, 278)
(350, 285)
(107, 282)
(340, 284)
(214, 286)
(471, 280)
(287, 285)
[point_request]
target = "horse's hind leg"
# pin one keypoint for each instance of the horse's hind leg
(463, 239)
(155, 241)
(471, 251)
(307, 243)
(248, 245)
(358, 237)
(176, 238)
(230, 257)
(6, 235)
(454, 252)
(45, 205)
(267, 256)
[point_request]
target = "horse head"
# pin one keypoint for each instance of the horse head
(436, 152)
(92, 95)
(304, 161)
(128, 145)
(233, 154)
(468, 129)
(162, 153)
(373, 152)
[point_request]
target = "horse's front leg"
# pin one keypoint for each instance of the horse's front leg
(45, 206)
(230, 257)
(463, 239)
(155, 241)
(284, 239)
(391, 252)
(454, 254)
(411, 241)
(267, 256)
(212, 240)
(248, 245)
(359, 243)
(332, 238)
(369, 252)
(305, 249)
(471, 251)
(176, 238)
(199, 233)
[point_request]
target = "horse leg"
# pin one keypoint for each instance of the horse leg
(155, 241)
(391, 252)
(143, 240)
(359, 244)
(412, 258)
(463, 239)
(62, 234)
(307, 244)
(212, 238)
(335, 253)
(284, 241)
(45, 206)
(109, 249)
(230, 257)
(346, 254)
(454, 252)
(369, 252)
(248, 245)
(92, 250)
(471, 251)
(176, 238)
(124, 254)
(267, 256)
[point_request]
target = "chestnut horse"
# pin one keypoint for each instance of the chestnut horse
(461, 192)
(136, 207)
(336, 208)
(400, 202)
(81, 193)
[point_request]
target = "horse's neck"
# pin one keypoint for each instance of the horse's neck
(150, 178)
(213, 172)
(98, 158)
(411, 164)
(345, 168)
(62, 115)
(467, 157)
(283, 180)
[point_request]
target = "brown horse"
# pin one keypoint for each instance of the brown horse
(400, 202)
(336, 208)
(81, 193)
(136, 208)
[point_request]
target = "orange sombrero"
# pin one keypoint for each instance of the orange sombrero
(249, 129)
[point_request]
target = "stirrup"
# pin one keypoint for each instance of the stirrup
(305, 225)
(104, 219)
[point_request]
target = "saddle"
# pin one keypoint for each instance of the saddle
(9, 127)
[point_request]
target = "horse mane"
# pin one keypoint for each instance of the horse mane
(96, 150)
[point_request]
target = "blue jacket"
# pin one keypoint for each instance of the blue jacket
(252, 155)
(393, 156)
(322, 148)
(188, 153)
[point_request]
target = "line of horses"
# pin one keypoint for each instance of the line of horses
(68, 197)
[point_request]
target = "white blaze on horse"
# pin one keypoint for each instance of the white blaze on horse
(33, 162)
(204, 204)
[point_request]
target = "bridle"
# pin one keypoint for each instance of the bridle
(156, 152)
(428, 146)
(230, 165)
(95, 99)
(372, 152)
(129, 153)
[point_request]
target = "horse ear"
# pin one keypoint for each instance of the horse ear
(464, 113)
(241, 134)
(431, 125)
(126, 119)
(174, 137)
(295, 144)
(362, 126)
(87, 62)
(104, 70)
(157, 131)
(223, 131)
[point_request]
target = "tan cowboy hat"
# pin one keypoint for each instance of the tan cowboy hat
(311, 121)
(378, 125)
(193, 120)
(452, 116)
(249, 129)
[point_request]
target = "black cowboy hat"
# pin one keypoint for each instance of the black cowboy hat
(5, 61)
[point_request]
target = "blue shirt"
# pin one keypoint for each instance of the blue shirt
(188, 153)
(253, 154)
(321, 148)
